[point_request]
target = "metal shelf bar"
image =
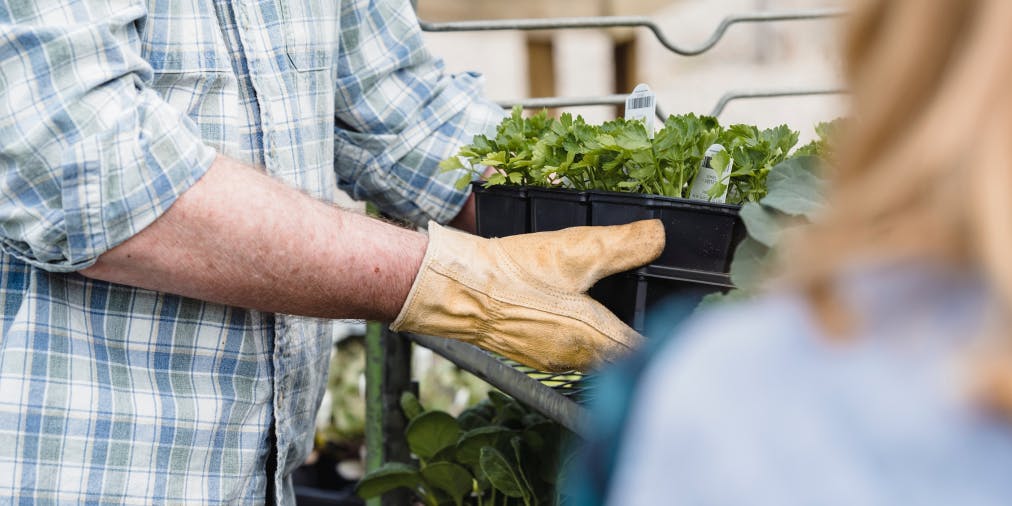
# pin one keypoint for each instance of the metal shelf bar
(718, 109)
(549, 102)
(772, 93)
(527, 390)
(632, 22)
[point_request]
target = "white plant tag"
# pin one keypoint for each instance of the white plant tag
(708, 176)
(642, 105)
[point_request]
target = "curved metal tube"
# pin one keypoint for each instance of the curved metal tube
(550, 403)
(740, 94)
(630, 21)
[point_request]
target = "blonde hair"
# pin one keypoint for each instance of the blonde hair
(924, 168)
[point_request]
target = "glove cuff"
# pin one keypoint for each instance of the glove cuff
(403, 320)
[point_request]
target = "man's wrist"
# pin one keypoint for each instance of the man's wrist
(465, 219)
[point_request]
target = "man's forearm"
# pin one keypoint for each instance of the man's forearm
(238, 237)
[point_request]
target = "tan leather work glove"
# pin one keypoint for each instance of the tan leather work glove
(524, 296)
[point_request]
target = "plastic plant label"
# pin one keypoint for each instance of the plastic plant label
(711, 183)
(642, 105)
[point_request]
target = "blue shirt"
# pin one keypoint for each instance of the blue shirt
(109, 110)
(755, 404)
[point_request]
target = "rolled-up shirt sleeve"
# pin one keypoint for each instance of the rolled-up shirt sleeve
(90, 155)
(398, 114)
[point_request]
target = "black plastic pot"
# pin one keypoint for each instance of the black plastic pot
(556, 209)
(319, 484)
(501, 210)
(700, 236)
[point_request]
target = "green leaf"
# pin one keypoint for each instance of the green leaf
(450, 164)
(456, 481)
(462, 182)
(387, 477)
(533, 440)
(795, 187)
(763, 224)
(511, 415)
(496, 159)
(471, 420)
(410, 405)
(499, 399)
(500, 473)
(430, 432)
(823, 146)
(534, 419)
(471, 442)
(485, 409)
(517, 443)
(548, 445)
(481, 144)
(448, 454)
(747, 265)
(716, 190)
(496, 179)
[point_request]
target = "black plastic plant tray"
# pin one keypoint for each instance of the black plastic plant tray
(632, 295)
(556, 209)
(501, 210)
(700, 236)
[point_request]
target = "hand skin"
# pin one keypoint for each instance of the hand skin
(238, 237)
(465, 219)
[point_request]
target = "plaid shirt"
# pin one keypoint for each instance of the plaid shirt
(109, 110)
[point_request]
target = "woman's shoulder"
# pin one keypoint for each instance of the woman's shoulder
(753, 402)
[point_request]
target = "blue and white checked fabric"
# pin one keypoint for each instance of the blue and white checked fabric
(109, 110)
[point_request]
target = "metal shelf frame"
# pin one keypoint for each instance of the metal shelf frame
(632, 22)
(601, 22)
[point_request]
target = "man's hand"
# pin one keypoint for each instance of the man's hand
(465, 219)
(524, 296)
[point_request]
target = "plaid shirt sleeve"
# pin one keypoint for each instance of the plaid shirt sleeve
(398, 114)
(89, 154)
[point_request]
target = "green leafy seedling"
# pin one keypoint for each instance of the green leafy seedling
(472, 419)
(389, 476)
(749, 260)
(763, 223)
(448, 454)
(471, 442)
(410, 405)
(430, 432)
(451, 478)
(501, 475)
(796, 188)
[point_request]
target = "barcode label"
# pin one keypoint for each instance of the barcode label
(640, 105)
(640, 102)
